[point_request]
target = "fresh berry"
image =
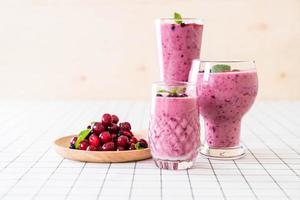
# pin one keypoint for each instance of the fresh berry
(105, 137)
(123, 141)
(106, 119)
(92, 148)
(133, 140)
(132, 146)
(121, 148)
(114, 137)
(114, 128)
(125, 126)
(98, 128)
(73, 140)
(127, 133)
(143, 143)
(94, 140)
(114, 119)
(84, 145)
(109, 146)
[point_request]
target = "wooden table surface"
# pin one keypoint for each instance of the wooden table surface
(30, 169)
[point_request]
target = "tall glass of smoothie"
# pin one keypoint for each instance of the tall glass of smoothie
(174, 132)
(179, 42)
(226, 90)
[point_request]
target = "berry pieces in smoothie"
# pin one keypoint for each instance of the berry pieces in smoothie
(107, 135)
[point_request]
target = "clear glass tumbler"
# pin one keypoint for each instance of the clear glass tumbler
(178, 44)
(226, 91)
(174, 132)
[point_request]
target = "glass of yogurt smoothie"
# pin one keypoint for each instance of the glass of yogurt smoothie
(226, 90)
(179, 42)
(174, 132)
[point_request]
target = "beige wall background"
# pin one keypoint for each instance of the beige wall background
(102, 49)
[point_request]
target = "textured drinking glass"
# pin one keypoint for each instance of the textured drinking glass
(178, 45)
(224, 96)
(174, 133)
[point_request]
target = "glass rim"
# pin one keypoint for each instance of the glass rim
(198, 20)
(173, 83)
(223, 61)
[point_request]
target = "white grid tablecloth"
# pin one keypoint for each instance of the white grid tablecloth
(30, 169)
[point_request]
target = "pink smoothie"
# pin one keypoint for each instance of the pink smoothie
(179, 45)
(223, 99)
(174, 128)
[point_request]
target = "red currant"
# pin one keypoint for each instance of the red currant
(109, 146)
(123, 141)
(106, 119)
(92, 148)
(98, 128)
(132, 146)
(105, 137)
(143, 143)
(83, 145)
(125, 126)
(114, 119)
(114, 128)
(133, 140)
(121, 148)
(94, 140)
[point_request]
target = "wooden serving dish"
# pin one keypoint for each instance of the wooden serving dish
(61, 146)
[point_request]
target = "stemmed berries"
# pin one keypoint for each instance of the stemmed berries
(107, 135)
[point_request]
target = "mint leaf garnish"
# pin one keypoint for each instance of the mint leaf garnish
(163, 91)
(220, 68)
(138, 146)
(82, 135)
(177, 18)
(175, 91)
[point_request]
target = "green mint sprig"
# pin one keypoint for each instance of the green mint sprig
(173, 92)
(177, 18)
(82, 135)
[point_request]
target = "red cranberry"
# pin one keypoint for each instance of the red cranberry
(132, 146)
(133, 140)
(114, 137)
(121, 148)
(92, 148)
(83, 145)
(125, 126)
(105, 137)
(98, 128)
(109, 146)
(114, 128)
(94, 140)
(114, 119)
(143, 143)
(106, 119)
(123, 141)
(127, 133)
(73, 140)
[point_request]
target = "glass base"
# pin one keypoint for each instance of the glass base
(229, 153)
(173, 164)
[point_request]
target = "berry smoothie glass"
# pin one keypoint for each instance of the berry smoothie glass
(226, 91)
(178, 44)
(174, 132)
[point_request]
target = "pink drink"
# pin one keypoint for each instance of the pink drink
(223, 99)
(178, 44)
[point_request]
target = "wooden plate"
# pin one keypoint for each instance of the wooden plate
(61, 146)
